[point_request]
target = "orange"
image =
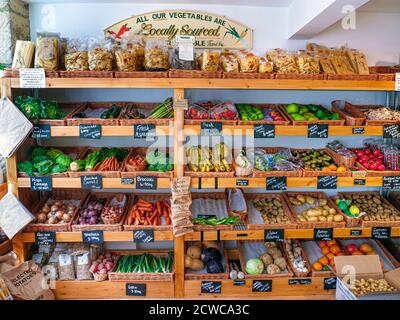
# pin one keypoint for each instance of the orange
(329, 243)
(322, 244)
(323, 260)
(341, 169)
(365, 247)
(332, 167)
(330, 255)
(335, 249)
(332, 263)
(326, 169)
(325, 250)
(340, 254)
(357, 253)
(317, 266)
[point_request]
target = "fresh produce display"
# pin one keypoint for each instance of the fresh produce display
(205, 159)
(295, 253)
(329, 249)
(271, 210)
(249, 112)
(339, 148)
(371, 160)
(378, 156)
(271, 261)
(113, 211)
(283, 160)
(36, 109)
(57, 212)
(111, 113)
(371, 204)
(235, 271)
(148, 213)
(197, 112)
(204, 255)
(103, 265)
(105, 159)
(212, 110)
(91, 214)
(163, 110)
(213, 221)
(131, 112)
(300, 112)
(362, 286)
(350, 210)
(313, 209)
(364, 249)
(158, 161)
(145, 263)
(45, 161)
(244, 163)
(382, 114)
(317, 160)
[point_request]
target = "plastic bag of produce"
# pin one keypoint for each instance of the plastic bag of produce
(266, 66)
(130, 54)
(197, 112)
(308, 63)
(156, 55)
(224, 111)
(209, 60)
(83, 263)
(183, 55)
(100, 55)
(248, 62)
(229, 62)
(66, 269)
(286, 62)
(27, 282)
(76, 55)
(47, 51)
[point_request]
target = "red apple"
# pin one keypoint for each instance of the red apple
(381, 167)
(351, 248)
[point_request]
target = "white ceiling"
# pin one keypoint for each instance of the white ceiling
(256, 3)
(384, 6)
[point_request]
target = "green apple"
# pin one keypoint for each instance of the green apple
(292, 108)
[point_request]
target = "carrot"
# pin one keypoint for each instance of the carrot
(137, 222)
(165, 213)
(166, 204)
(158, 220)
(154, 215)
(143, 203)
(168, 220)
(145, 209)
(159, 206)
(130, 219)
(145, 222)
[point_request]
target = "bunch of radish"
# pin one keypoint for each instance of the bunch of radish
(104, 264)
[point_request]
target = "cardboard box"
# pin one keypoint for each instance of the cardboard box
(14, 25)
(364, 267)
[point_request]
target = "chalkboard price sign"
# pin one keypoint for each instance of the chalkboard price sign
(45, 238)
(381, 233)
(211, 287)
(329, 283)
(242, 182)
(143, 236)
(41, 131)
(144, 131)
(211, 128)
(262, 286)
(323, 234)
(276, 183)
(92, 182)
(274, 235)
(127, 181)
(355, 233)
(146, 183)
(41, 183)
(135, 289)
(299, 281)
(392, 183)
(359, 182)
(391, 131)
(360, 130)
(90, 131)
(93, 237)
(318, 131)
(327, 182)
(264, 131)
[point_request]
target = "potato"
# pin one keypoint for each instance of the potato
(338, 218)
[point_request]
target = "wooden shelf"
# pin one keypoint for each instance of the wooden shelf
(256, 84)
(109, 236)
(108, 183)
(5, 247)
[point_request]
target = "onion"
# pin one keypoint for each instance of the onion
(66, 217)
(91, 206)
(54, 208)
(46, 208)
(59, 214)
(93, 213)
(50, 215)
(58, 203)
(41, 217)
(71, 208)
(93, 220)
(53, 220)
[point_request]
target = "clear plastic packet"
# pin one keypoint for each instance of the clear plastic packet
(308, 63)
(273, 54)
(248, 62)
(224, 111)
(76, 55)
(326, 64)
(66, 269)
(156, 55)
(47, 51)
(197, 112)
(359, 61)
(209, 60)
(286, 63)
(129, 54)
(82, 264)
(265, 65)
(229, 62)
(183, 54)
(100, 55)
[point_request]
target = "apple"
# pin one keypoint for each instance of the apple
(381, 167)
(367, 151)
(351, 248)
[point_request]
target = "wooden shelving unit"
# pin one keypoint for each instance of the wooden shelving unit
(181, 288)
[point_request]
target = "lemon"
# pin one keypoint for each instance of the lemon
(354, 210)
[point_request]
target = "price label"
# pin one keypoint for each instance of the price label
(262, 286)
(34, 78)
(318, 131)
(264, 131)
(391, 131)
(41, 131)
(239, 282)
(392, 183)
(397, 84)
(211, 287)
(360, 130)
(206, 216)
(45, 238)
(360, 182)
(323, 234)
(92, 182)
(329, 283)
(144, 131)
(381, 233)
(127, 181)
(327, 182)
(93, 237)
(90, 131)
(355, 233)
(41, 183)
(299, 281)
(211, 128)
(143, 236)
(135, 289)
(274, 235)
(242, 182)
(146, 183)
(276, 184)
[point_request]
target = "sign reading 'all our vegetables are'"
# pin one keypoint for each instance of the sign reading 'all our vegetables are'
(210, 30)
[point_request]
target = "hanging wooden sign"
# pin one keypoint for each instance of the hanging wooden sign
(210, 30)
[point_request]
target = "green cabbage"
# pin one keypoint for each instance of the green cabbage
(63, 160)
(254, 266)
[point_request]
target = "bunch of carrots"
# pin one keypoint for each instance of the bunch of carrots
(109, 164)
(149, 214)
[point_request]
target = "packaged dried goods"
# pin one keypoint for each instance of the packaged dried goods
(248, 62)
(197, 112)
(205, 159)
(156, 55)
(47, 51)
(209, 60)
(265, 65)
(244, 163)
(150, 213)
(229, 62)
(183, 54)
(83, 264)
(76, 55)
(100, 55)
(308, 63)
(286, 63)
(359, 61)
(23, 54)
(66, 268)
(130, 54)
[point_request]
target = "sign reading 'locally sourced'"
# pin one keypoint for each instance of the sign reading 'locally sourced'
(210, 30)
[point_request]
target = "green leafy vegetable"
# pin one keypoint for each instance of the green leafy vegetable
(35, 109)
(77, 165)
(39, 158)
(59, 169)
(44, 167)
(92, 159)
(51, 110)
(213, 221)
(38, 151)
(63, 160)
(26, 167)
(54, 153)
